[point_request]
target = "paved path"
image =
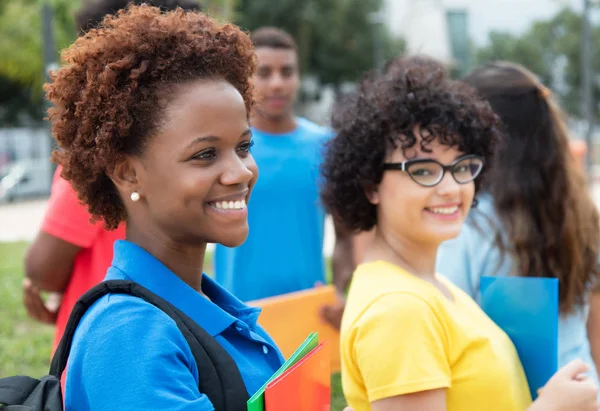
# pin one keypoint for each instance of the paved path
(21, 220)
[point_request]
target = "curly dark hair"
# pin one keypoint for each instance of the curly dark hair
(380, 116)
(111, 93)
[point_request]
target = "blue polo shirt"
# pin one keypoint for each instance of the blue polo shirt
(284, 249)
(129, 355)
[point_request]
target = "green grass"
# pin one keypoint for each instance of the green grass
(25, 344)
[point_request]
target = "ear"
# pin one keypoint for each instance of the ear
(124, 176)
(372, 194)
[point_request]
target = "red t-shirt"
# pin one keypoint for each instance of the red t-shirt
(68, 219)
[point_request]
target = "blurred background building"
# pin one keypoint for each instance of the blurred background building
(338, 41)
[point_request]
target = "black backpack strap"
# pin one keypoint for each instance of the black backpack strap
(219, 377)
(28, 394)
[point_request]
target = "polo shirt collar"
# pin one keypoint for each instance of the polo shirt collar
(132, 262)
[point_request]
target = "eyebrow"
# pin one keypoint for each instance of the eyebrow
(212, 139)
(461, 154)
(283, 67)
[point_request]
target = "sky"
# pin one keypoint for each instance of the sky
(484, 15)
(507, 15)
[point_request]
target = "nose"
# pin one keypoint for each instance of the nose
(276, 81)
(448, 186)
(238, 170)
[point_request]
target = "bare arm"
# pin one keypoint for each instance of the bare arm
(566, 391)
(342, 266)
(49, 262)
(432, 400)
(342, 258)
(593, 327)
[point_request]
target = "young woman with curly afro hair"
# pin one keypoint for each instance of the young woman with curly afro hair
(407, 160)
(151, 118)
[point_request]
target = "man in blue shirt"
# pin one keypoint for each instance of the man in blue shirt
(284, 249)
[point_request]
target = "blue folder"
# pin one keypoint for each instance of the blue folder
(527, 310)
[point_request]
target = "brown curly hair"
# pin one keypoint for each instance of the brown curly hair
(380, 116)
(109, 96)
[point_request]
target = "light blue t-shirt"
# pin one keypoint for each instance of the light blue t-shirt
(284, 249)
(129, 355)
(473, 254)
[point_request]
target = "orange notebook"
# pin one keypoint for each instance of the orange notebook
(305, 386)
(289, 318)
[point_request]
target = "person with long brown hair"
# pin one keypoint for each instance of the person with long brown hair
(536, 217)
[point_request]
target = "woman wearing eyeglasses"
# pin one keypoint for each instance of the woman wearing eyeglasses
(407, 160)
(536, 218)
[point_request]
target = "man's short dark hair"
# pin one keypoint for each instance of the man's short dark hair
(92, 12)
(272, 37)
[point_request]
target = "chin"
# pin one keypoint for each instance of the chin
(450, 235)
(442, 236)
(233, 240)
(275, 115)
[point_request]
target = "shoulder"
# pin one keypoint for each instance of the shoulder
(314, 130)
(398, 305)
(408, 310)
(117, 326)
(63, 196)
(128, 354)
(66, 217)
(409, 323)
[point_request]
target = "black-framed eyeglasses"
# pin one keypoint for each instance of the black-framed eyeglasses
(428, 172)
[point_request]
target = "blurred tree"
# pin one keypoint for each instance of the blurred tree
(337, 40)
(21, 65)
(21, 42)
(506, 46)
(17, 106)
(552, 50)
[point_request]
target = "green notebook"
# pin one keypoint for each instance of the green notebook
(257, 401)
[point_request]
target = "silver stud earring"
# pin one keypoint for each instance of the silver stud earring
(135, 196)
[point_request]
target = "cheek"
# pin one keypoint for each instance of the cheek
(184, 189)
(401, 200)
(251, 165)
(198, 183)
(468, 193)
(292, 83)
(259, 86)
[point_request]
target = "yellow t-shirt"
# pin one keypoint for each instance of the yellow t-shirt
(401, 335)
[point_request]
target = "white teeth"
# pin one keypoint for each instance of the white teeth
(231, 205)
(444, 210)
